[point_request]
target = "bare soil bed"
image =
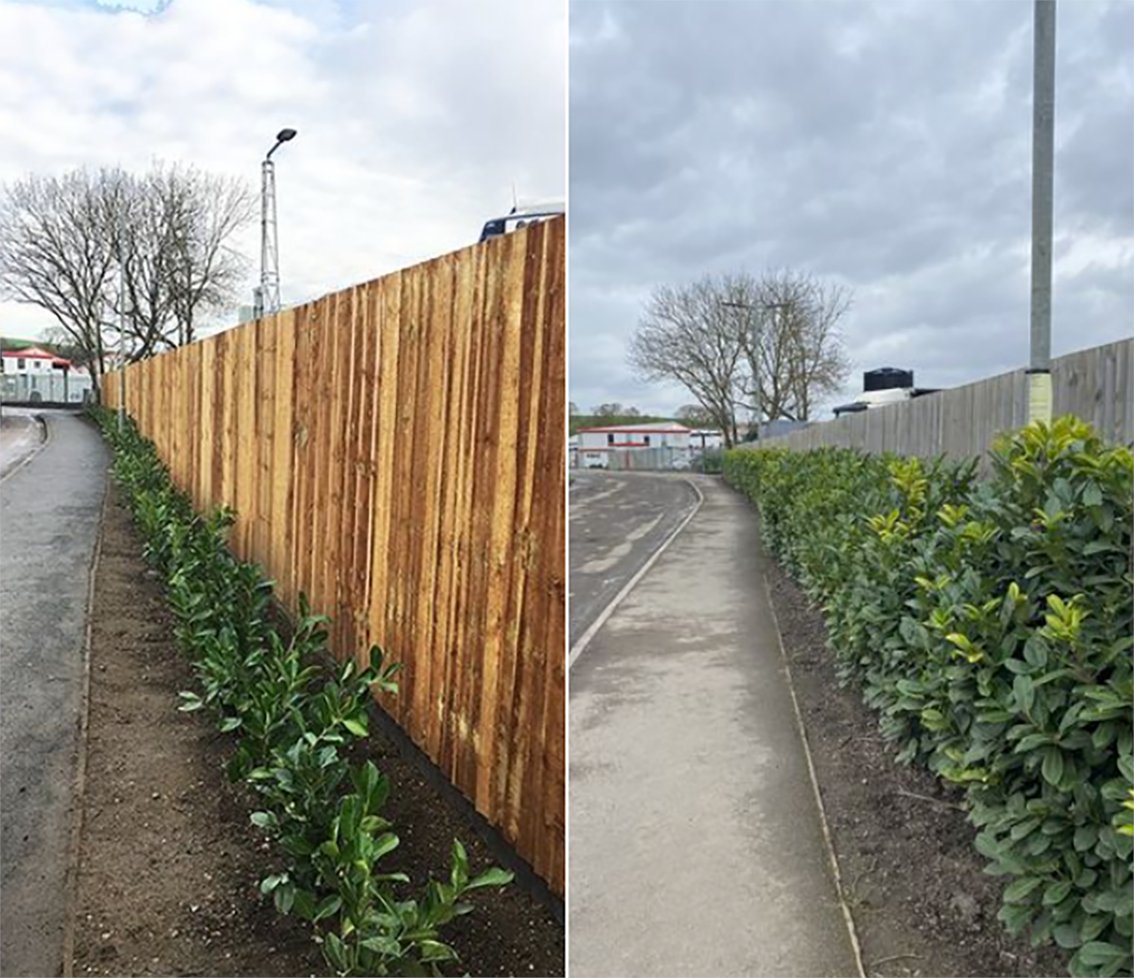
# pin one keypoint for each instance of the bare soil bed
(922, 904)
(167, 882)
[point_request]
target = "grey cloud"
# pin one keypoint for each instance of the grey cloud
(870, 143)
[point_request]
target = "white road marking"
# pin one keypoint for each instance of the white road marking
(644, 529)
(592, 631)
(600, 564)
(582, 504)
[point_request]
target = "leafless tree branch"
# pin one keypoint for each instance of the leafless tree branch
(95, 248)
(770, 345)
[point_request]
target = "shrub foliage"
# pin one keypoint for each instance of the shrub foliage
(989, 625)
(293, 725)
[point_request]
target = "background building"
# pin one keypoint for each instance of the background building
(36, 374)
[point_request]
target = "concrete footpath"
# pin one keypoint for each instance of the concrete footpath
(49, 512)
(696, 845)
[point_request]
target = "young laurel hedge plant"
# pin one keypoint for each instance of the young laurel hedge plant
(292, 725)
(989, 624)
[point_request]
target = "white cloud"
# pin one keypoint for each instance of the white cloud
(142, 6)
(414, 120)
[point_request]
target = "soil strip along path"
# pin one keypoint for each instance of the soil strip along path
(170, 863)
(697, 845)
(921, 901)
(49, 512)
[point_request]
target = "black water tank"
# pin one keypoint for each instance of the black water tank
(886, 378)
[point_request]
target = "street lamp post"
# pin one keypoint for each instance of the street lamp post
(755, 330)
(1043, 143)
(267, 298)
(121, 314)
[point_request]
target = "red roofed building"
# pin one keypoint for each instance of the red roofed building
(33, 373)
(594, 444)
(32, 360)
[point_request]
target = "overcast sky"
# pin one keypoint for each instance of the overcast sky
(415, 119)
(886, 146)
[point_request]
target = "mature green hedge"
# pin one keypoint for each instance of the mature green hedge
(989, 624)
(322, 812)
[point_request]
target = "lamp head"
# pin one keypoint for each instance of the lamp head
(281, 137)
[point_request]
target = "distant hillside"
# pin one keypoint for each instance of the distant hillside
(12, 343)
(578, 421)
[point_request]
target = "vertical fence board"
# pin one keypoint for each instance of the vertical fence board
(396, 451)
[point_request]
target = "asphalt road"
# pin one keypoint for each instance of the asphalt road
(49, 511)
(20, 435)
(616, 521)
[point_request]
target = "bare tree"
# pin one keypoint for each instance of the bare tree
(177, 259)
(609, 409)
(204, 211)
(687, 334)
(55, 253)
(694, 415)
(141, 239)
(771, 346)
(98, 248)
(794, 346)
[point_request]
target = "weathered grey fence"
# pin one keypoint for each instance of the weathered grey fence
(658, 458)
(1096, 384)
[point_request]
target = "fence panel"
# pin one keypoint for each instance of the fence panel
(395, 451)
(47, 388)
(1095, 384)
(659, 458)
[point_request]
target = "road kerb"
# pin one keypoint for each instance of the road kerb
(848, 917)
(73, 856)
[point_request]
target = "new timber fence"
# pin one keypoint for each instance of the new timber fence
(395, 451)
(1096, 384)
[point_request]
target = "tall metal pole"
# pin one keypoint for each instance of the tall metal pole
(782, 307)
(754, 358)
(268, 297)
(121, 317)
(756, 331)
(757, 335)
(1043, 151)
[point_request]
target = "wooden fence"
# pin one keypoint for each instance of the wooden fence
(1095, 384)
(396, 451)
